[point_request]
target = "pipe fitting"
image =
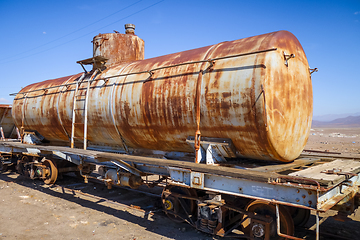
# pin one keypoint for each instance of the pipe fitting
(130, 28)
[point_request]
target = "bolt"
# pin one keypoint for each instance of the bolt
(258, 230)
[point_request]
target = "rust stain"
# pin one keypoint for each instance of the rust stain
(262, 105)
(118, 48)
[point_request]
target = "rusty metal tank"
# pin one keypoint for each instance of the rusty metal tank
(256, 91)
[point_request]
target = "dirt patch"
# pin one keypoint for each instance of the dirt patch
(31, 210)
(341, 140)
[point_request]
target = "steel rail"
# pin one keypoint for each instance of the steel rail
(151, 70)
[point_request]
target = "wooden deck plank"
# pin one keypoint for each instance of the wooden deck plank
(287, 166)
(349, 166)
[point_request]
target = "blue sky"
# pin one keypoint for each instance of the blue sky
(42, 40)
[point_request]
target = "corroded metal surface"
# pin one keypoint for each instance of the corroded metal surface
(6, 121)
(263, 105)
(118, 47)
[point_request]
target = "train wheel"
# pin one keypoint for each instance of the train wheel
(300, 216)
(51, 172)
(266, 209)
(20, 166)
(176, 209)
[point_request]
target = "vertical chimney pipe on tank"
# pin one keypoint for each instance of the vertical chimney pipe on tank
(130, 28)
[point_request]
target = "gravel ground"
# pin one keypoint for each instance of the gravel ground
(32, 210)
(341, 140)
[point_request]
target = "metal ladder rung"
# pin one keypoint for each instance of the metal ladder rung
(78, 137)
(79, 96)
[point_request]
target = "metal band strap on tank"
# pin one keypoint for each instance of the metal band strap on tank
(197, 109)
(112, 112)
(150, 72)
(58, 109)
(262, 92)
(23, 118)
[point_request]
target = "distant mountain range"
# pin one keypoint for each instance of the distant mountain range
(331, 117)
(346, 122)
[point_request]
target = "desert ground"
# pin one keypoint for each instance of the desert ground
(339, 140)
(74, 210)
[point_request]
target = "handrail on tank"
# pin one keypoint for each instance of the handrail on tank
(154, 69)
